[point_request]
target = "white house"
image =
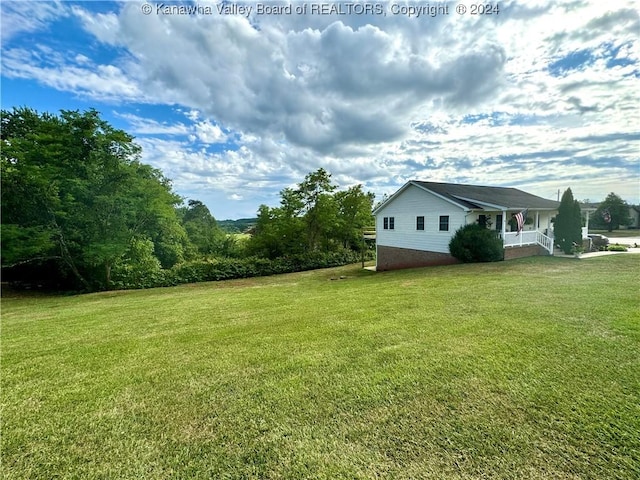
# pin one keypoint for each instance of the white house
(414, 225)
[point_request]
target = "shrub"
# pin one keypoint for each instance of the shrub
(230, 268)
(617, 248)
(474, 243)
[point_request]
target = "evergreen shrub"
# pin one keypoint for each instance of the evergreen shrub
(474, 243)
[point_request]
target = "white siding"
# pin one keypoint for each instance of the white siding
(405, 208)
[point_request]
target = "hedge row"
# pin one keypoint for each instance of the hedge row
(230, 268)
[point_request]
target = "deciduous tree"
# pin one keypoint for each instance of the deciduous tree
(75, 188)
(202, 229)
(312, 217)
(612, 213)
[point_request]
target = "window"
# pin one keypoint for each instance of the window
(391, 222)
(388, 223)
(420, 223)
(499, 222)
(444, 223)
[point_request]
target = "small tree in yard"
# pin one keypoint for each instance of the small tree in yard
(474, 243)
(568, 224)
(611, 214)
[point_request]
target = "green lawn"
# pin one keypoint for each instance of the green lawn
(521, 369)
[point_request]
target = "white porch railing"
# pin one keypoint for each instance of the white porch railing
(545, 241)
(531, 237)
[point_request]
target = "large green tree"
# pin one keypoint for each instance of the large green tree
(612, 213)
(568, 223)
(76, 198)
(312, 217)
(354, 214)
(279, 231)
(319, 208)
(202, 228)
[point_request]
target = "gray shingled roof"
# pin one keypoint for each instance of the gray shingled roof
(471, 196)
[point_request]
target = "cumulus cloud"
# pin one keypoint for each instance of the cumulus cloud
(320, 89)
(207, 132)
(378, 99)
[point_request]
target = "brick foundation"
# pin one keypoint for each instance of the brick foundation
(393, 258)
(527, 251)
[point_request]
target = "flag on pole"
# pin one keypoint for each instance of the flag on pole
(521, 217)
(606, 215)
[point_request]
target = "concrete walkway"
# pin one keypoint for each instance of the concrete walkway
(596, 254)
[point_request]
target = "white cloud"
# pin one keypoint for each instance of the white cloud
(23, 17)
(206, 132)
(148, 126)
(104, 26)
(99, 82)
(198, 131)
(375, 99)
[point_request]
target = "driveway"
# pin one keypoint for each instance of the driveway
(624, 240)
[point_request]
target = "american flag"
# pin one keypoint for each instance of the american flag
(521, 217)
(606, 216)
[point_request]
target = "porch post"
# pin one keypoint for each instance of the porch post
(504, 226)
(537, 221)
(587, 222)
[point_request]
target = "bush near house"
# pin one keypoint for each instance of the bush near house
(474, 243)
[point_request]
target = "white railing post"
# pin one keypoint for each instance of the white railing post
(531, 237)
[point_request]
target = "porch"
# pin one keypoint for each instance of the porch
(527, 237)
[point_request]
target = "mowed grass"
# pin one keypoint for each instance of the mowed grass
(521, 369)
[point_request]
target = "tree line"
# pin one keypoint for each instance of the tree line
(81, 211)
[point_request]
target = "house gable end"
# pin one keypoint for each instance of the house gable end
(462, 204)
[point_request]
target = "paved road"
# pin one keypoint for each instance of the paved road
(624, 240)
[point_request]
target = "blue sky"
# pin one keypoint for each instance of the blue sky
(541, 96)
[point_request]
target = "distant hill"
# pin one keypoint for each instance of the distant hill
(237, 226)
